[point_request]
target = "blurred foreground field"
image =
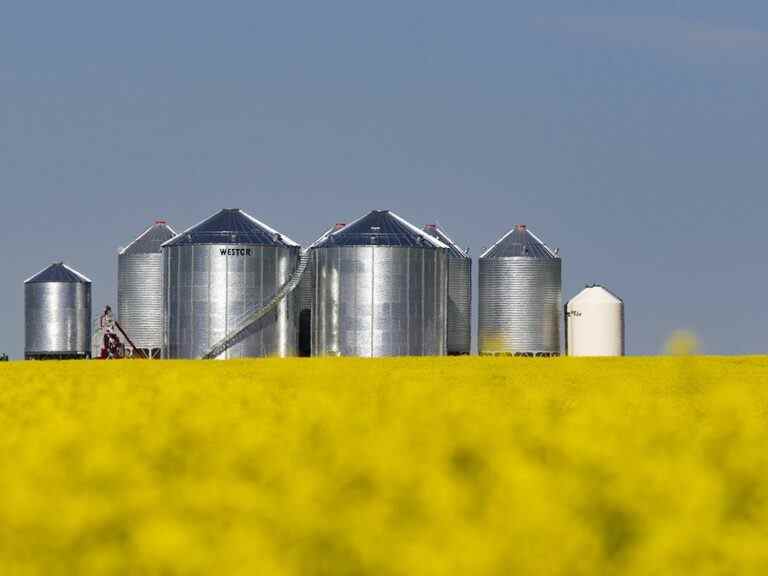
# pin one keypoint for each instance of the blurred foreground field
(388, 467)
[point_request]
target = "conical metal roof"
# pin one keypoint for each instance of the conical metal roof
(58, 272)
(520, 243)
(380, 228)
(231, 226)
(454, 249)
(149, 241)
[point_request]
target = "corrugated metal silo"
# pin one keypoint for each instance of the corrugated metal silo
(380, 290)
(594, 323)
(217, 273)
(459, 293)
(140, 288)
(520, 297)
(57, 314)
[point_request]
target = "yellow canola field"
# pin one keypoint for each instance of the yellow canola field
(410, 467)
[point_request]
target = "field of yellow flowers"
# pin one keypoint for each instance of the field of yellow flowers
(385, 467)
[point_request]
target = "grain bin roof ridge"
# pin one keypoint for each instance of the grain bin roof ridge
(58, 272)
(436, 231)
(520, 242)
(380, 228)
(150, 241)
(231, 226)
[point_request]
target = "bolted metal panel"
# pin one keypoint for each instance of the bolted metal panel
(379, 300)
(209, 288)
(520, 303)
(459, 293)
(57, 316)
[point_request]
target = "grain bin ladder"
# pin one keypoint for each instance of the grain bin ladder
(252, 317)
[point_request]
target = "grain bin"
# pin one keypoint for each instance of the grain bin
(594, 323)
(380, 290)
(57, 314)
(520, 297)
(459, 293)
(140, 288)
(218, 272)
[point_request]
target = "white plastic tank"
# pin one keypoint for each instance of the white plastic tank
(594, 323)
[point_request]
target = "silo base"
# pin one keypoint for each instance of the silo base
(56, 356)
(523, 354)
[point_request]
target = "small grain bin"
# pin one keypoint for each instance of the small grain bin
(594, 323)
(520, 295)
(57, 314)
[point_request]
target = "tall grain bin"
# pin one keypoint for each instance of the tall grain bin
(217, 273)
(459, 293)
(380, 290)
(520, 296)
(140, 288)
(57, 314)
(594, 323)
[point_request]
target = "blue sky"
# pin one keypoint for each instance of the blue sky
(634, 139)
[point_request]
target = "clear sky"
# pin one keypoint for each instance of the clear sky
(632, 138)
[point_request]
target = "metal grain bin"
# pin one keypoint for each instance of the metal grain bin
(57, 314)
(459, 293)
(594, 323)
(140, 288)
(380, 290)
(520, 297)
(218, 272)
